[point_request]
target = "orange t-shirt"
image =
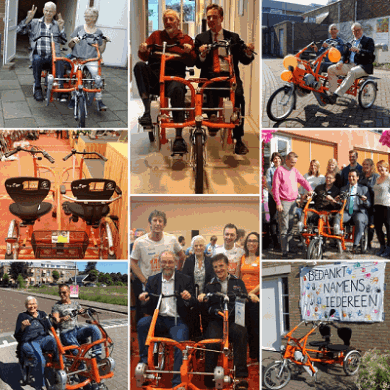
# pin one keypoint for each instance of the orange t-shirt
(250, 273)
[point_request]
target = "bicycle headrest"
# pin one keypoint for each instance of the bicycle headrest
(345, 334)
(93, 189)
(27, 191)
(325, 330)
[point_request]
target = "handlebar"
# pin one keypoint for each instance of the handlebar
(33, 151)
(84, 153)
(175, 294)
(94, 37)
(59, 37)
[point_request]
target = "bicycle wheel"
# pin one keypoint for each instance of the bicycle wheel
(88, 83)
(151, 136)
(199, 163)
(351, 362)
(159, 351)
(281, 103)
(80, 101)
(107, 247)
(314, 251)
(12, 248)
(364, 241)
(274, 377)
(367, 94)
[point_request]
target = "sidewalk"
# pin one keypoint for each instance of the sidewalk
(19, 109)
(308, 113)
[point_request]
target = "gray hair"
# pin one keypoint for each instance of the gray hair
(356, 24)
(172, 11)
(92, 10)
(164, 252)
(30, 298)
(198, 238)
(50, 4)
(333, 25)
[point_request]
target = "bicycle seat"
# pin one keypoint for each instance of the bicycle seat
(94, 192)
(28, 194)
(325, 333)
(345, 335)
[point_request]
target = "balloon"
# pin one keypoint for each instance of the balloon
(286, 75)
(290, 60)
(334, 55)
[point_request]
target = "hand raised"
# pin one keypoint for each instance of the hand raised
(31, 13)
(60, 21)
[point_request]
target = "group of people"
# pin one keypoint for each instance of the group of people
(212, 64)
(368, 204)
(159, 265)
(356, 60)
(34, 338)
(39, 31)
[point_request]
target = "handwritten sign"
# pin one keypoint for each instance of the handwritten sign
(354, 290)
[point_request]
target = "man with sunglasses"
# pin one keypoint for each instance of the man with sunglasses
(71, 332)
(174, 314)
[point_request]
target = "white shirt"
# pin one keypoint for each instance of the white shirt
(353, 191)
(224, 64)
(147, 251)
(234, 255)
(168, 305)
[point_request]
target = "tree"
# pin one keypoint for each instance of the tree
(20, 281)
(105, 278)
(91, 265)
(124, 279)
(18, 269)
(5, 279)
(93, 275)
(55, 275)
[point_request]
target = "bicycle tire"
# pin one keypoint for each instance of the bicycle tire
(364, 241)
(106, 241)
(159, 351)
(367, 89)
(314, 251)
(199, 163)
(290, 104)
(351, 363)
(12, 250)
(80, 101)
(271, 375)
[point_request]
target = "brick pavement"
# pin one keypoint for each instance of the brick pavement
(328, 377)
(10, 371)
(346, 113)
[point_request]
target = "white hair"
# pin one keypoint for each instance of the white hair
(333, 25)
(197, 238)
(50, 4)
(30, 298)
(172, 11)
(356, 24)
(93, 11)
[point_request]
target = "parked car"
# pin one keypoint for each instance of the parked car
(103, 285)
(91, 285)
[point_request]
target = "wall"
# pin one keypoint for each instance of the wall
(364, 335)
(207, 214)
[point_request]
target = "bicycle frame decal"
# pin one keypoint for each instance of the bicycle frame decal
(354, 290)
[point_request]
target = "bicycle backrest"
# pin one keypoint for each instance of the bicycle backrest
(27, 191)
(345, 334)
(93, 189)
(325, 332)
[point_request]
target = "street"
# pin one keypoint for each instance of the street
(308, 113)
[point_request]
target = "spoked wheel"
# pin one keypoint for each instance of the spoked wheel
(48, 94)
(107, 233)
(281, 103)
(56, 379)
(159, 351)
(367, 94)
(352, 362)
(276, 376)
(314, 251)
(26, 375)
(364, 241)
(88, 83)
(12, 244)
(80, 101)
(198, 163)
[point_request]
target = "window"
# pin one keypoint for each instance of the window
(286, 308)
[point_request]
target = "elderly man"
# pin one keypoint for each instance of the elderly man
(356, 208)
(32, 333)
(213, 64)
(41, 54)
(333, 31)
(174, 315)
(356, 62)
(147, 75)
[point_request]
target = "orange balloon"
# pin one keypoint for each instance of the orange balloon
(286, 75)
(334, 55)
(290, 60)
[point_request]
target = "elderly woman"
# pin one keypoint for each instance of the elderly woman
(382, 207)
(333, 168)
(82, 48)
(250, 275)
(32, 334)
(368, 178)
(199, 268)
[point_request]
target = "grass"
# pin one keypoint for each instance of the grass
(114, 295)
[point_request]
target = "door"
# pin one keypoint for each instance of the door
(11, 24)
(271, 321)
(281, 40)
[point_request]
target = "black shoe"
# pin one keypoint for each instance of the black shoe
(333, 98)
(71, 103)
(242, 385)
(179, 146)
(354, 250)
(285, 255)
(38, 94)
(101, 106)
(64, 97)
(145, 120)
(240, 148)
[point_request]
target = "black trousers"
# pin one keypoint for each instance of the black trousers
(252, 322)
(137, 289)
(237, 336)
(148, 83)
(273, 218)
(213, 100)
(382, 217)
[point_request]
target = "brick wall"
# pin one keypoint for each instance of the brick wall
(364, 335)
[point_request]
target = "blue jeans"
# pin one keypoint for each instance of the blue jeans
(35, 349)
(38, 62)
(177, 332)
(79, 335)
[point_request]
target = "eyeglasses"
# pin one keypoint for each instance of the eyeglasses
(63, 292)
(253, 241)
(167, 262)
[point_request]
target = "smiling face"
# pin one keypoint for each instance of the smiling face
(367, 167)
(252, 244)
(168, 264)
(214, 20)
(32, 306)
(352, 158)
(157, 225)
(353, 178)
(382, 170)
(277, 161)
(357, 32)
(64, 293)
(313, 168)
(221, 269)
(199, 248)
(333, 32)
(229, 237)
(90, 18)
(331, 166)
(49, 12)
(329, 179)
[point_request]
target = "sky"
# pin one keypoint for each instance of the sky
(307, 2)
(112, 266)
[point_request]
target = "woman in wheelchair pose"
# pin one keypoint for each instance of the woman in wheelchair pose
(31, 332)
(83, 50)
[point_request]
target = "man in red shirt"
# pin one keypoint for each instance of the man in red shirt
(147, 75)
